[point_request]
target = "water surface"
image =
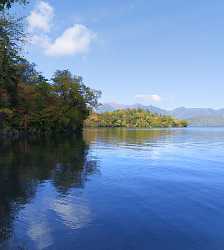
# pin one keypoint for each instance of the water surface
(114, 189)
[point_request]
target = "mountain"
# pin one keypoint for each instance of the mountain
(196, 112)
(195, 116)
(115, 106)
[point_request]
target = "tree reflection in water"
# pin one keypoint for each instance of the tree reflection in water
(26, 164)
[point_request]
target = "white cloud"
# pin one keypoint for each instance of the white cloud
(41, 17)
(74, 40)
(154, 97)
(74, 214)
(40, 40)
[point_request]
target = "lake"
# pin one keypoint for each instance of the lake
(114, 189)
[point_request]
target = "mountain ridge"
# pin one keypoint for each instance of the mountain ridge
(195, 116)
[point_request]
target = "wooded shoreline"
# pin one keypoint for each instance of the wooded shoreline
(29, 102)
(133, 118)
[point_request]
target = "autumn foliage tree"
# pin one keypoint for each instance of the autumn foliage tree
(28, 101)
(61, 104)
(133, 118)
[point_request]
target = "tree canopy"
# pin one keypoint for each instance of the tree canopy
(30, 102)
(6, 4)
(40, 105)
(133, 118)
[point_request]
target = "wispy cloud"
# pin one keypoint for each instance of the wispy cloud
(73, 40)
(143, 97)
(41, 17)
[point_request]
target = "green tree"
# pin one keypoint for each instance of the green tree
(11, 39)
(76, 100)
(134, 118)
(6, 4)
(28, 101)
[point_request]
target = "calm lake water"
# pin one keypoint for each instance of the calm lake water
(115, 189)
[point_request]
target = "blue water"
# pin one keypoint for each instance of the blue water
(114, 189)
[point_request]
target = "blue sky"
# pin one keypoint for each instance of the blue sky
(159, 52)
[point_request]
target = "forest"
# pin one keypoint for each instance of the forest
(28, 101)
(133, 118)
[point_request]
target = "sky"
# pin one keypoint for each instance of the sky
(155, 52)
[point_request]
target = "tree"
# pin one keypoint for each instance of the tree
(11, 39)
(7, 4)
(76, 99)
(135, 118)
(28, 101)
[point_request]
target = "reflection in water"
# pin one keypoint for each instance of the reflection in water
(127, 136)
(58, 165)
(125, 141)
(149, 139)
(157, 189)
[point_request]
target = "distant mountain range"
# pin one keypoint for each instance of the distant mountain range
(195, 116)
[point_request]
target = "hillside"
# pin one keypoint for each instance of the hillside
(133, 118)
(195, 116)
